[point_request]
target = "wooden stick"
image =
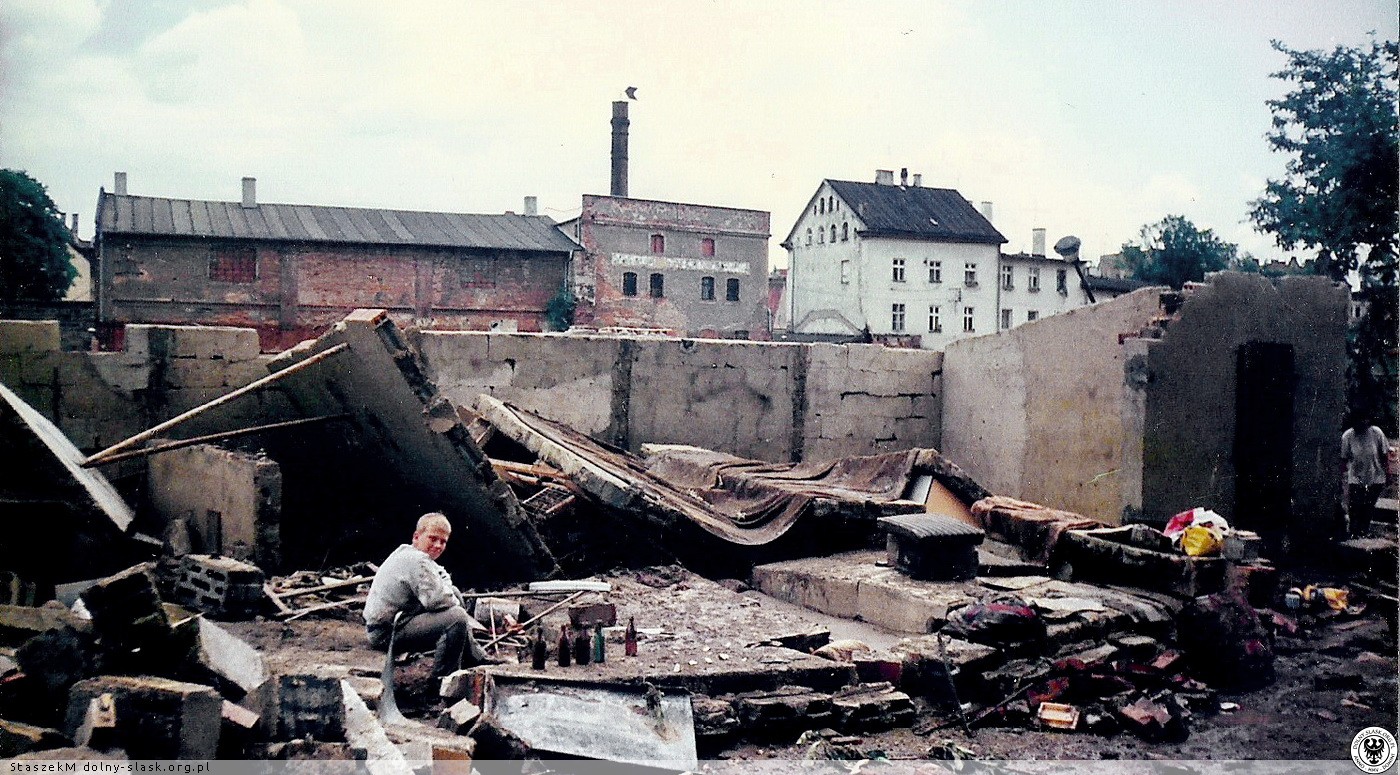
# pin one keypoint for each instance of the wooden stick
(324, 587)
(324, 607)
(282, 608)
(220, 401)
(538, 617)
(156, 450)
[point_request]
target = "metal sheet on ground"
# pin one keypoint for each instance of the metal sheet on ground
(595, 723)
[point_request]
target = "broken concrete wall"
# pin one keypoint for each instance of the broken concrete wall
(1184, 391)
(770, 401)
(98, 399)
(230, 501)
(1035, 412)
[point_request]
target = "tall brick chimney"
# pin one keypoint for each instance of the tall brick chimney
(619, 148)
(250, 192)
(119, 183)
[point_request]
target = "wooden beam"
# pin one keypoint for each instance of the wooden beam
(156, 450)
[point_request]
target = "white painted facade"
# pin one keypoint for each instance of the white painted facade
(1032, 287)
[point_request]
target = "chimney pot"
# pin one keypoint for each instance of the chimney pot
(1037, 242)
(903, 176)
(119, 184)
(918, 180)
(250, 192)
(884, 177)
(532, 205)
(620, 123)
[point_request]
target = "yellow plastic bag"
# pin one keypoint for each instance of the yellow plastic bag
(1201, 541)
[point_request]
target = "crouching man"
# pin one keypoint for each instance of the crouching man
(412, 582)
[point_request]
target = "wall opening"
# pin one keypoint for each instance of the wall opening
(1263, 447)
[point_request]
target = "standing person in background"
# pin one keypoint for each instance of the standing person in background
(412, 582)
(1364, 448)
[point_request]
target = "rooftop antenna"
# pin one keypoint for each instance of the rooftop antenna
(1068, 248)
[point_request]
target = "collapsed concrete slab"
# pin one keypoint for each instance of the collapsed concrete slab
(72, 514)
(404, 451)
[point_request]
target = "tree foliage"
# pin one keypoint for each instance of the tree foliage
(1173, 252)
(560, 310)
(1338, 124)
(34, 263)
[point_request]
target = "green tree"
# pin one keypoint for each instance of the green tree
(1339, 195)
(1173, 252)
(560, 310)
(34, 263)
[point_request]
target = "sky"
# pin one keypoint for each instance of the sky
(1084, 117)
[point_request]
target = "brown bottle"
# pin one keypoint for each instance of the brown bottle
(540, 651)
(629, 642)
(582, 647)
(565, 646)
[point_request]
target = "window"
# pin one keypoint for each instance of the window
(629, 283)
(809, 236)
(821, 205)
(967, 320)
(970, 274)
(1032, 314)
(833, 232)
(935, 319)
(935, 271)
(1006, 275)
(658, 244)
(731, 289)
(707, 247)
(707, 289)
(845, 231)
(897, 270)
(1005, 319)
(821, 235)
(658, 285)
(846, 272)
(1060, 281)
(1033, 279)
(897, 318)
(234, 265)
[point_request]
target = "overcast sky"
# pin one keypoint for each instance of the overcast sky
(1088, 117)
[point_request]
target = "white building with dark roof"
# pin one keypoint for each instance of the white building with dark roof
(914, 266)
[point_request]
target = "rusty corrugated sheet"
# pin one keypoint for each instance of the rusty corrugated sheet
(124, 214)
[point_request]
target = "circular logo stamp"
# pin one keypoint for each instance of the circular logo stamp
(1373, 750)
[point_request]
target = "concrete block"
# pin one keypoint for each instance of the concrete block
(463, 684)
(183, 373)
(226, 661)
(10, 367)
(784, 709)
(306, 705)
(364, 731)
(29, 336)
(220, 585)
(214, 342)
(819, 584)
(18, 623)
(58, 658)
(157, 718)
(237, 732)
(895, 602)
(17, 738)
(39, 368)
(126, 610)
(714, 718)
(459, 717)
(925, 672)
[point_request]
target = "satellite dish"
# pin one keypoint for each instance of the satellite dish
(1068, 248)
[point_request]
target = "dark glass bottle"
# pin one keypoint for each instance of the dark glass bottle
(582, 648)
(600, 652)
(565, 646)
(629, 642)
(540, 651)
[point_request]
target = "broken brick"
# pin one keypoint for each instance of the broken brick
(460, 717)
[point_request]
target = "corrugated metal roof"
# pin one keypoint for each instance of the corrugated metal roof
(124, 214)
(914, 211)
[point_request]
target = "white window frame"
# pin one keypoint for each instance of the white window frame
(969, 320)
(1033, 279)
(935, 271)
(1032, 314)
(935, 319)
(897, 318)
(896, 270)
(1008, 274)
(970, 274)
(1005, 318)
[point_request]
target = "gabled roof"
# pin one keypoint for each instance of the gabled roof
(939, 214)
(125, 214)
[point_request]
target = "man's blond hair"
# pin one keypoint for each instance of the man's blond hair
(430, 519)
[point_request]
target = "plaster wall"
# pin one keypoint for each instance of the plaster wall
(1188, 390)
(230, 501)
(1036, 412)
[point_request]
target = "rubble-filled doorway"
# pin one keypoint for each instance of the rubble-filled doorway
(1264, 437)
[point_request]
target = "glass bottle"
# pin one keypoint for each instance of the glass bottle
(629, 642)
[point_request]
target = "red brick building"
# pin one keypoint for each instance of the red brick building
(290, 271)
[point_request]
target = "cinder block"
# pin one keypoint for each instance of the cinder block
(29, 336)
(183, 373)
(126, 611)
(305, 705)
(157, 718)
(220, 585)
(17, 738)
(39, 368)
